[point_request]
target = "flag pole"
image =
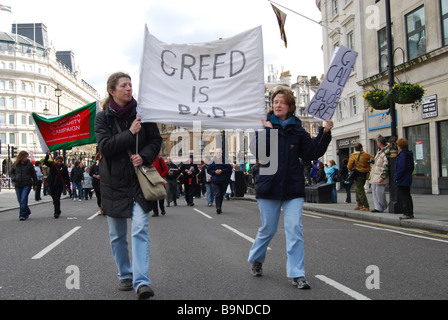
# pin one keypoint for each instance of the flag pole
(303, 16)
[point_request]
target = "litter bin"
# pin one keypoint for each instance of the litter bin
(240, 184)
(319, 193)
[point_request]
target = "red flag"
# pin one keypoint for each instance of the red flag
(281, 18)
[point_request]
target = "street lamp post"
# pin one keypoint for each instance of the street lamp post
(392, 110)
(58, 94)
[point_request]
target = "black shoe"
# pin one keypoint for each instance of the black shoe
(175, 203)
(23, 218)
(163, 212)
(56, 215)
(374, 210)
(218, 211)
(191, 204)
(406, 217)
(125, 285)
(301, 283)
(168, 205)
(144, 292)
(155, 214)
(256, 269)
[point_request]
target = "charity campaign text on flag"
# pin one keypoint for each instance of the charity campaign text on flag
(76, 128)
(326, 99)
(219, 83)
(281, 19)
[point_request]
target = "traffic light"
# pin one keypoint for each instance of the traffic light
(13, 152)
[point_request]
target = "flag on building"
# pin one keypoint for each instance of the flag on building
(73, 129)
(5, 8)
(281, 18)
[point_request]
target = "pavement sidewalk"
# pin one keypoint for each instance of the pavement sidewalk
(430, 211)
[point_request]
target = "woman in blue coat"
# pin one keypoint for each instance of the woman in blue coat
(404, 166)
(286, 186)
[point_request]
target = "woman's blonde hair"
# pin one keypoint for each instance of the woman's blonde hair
(112, 84)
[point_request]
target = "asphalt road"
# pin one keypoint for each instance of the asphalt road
(199, 255)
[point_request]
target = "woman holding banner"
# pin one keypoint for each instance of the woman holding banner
(286, 187)
(118, 129)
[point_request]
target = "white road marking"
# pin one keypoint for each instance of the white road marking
(204, 214)
(94, 216)
(240, 234)
(341, 287)
(55, 244)
(402, 233)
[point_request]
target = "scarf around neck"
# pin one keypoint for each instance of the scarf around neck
(123, 111)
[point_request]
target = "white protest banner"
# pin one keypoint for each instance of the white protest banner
(326, 99)
(219, 83)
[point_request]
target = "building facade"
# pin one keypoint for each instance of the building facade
(31, 71)
(420, 41)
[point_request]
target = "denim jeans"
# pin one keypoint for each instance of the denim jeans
(138, 269)
(22, 194)
(295, 249)
(210, 194)
(77, 186)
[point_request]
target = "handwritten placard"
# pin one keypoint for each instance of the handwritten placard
(325, 101)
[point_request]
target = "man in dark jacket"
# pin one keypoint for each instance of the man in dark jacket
(220, 170)
(189, 173)
(58, 181)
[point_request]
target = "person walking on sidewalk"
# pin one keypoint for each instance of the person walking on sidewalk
(117, 127)
(379, 175)
(58, 180)
(286, 187)
(220, 171)
(24, 178)
(359, 160)
(404, 166)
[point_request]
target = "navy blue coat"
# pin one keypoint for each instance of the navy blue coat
(404, 166)
(294, 143)
(226, 168)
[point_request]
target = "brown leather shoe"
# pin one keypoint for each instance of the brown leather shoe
(365, 209)
(358, 208)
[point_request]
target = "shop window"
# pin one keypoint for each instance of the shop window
(443, 139)
(419, 144)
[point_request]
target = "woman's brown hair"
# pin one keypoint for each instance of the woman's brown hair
(112, 83)
(289, 98)
(21, 156)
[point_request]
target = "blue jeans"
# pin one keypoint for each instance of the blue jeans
(77, 186)
(295, 249)
(210, 195)
(22, 194)
(138, 269)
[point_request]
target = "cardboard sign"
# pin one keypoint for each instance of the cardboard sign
(325, 101)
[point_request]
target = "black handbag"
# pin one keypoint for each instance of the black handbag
(353, 174)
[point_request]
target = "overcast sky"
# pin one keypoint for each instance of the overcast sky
(107, 36)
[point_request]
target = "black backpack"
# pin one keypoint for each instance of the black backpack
(337, 176)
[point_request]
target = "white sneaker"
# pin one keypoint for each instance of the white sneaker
(79, 200)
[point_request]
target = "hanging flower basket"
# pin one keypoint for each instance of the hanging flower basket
(407, 93)
(378, 99)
